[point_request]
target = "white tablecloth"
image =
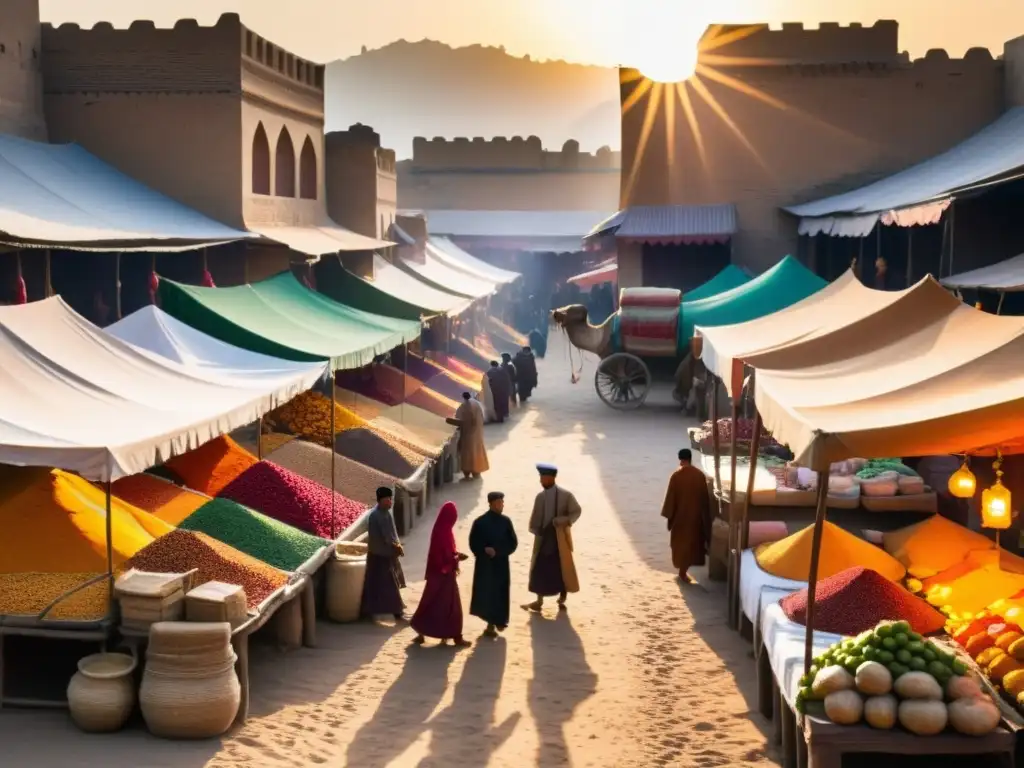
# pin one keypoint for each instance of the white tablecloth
(784, 644)
(753, 581)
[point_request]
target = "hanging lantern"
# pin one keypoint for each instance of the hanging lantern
(154, 286)
(963, 483)
(21, 292)
(995, 501)
(208, 279)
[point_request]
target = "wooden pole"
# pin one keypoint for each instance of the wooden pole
(334, 455)
(859, 268)
(733, 575)
(405, 375)
(110, 552)
(812, 576)
(715, 442)
(952, 234)
(48, 288)
(942, 246)
(259, 439)
(755, 447)
(1002, 296)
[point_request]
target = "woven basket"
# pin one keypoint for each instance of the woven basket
(179, 637)
(188, 661)
(199, 704)
(345, 577)
(101, 695)
(353, 548)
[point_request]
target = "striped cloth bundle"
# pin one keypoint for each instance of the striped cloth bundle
(649, 321)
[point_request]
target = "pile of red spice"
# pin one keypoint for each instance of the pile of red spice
(857, 599)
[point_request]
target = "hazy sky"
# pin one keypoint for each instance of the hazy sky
(592, 31)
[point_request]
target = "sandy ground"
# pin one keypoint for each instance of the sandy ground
(638, 672)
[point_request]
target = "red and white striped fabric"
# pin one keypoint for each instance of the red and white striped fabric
(649, 320)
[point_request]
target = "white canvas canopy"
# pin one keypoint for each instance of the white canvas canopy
(841, 317)
(152, 330)
(1005, 277)
(434, 270)
(455, 257)
(946, 381)
(80, 399)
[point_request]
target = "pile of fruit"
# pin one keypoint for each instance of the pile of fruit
(998, 648)
(891, 675)
(309, 416)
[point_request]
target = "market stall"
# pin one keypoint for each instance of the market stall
(942, 382)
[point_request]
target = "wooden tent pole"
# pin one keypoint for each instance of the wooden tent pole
(755, 447)
(110, 552)
(48, 288)
(334, 455)
(812, 576)
(733, 588)
(259, 439)
(952, 234)
(1002, 296)
(715, 442)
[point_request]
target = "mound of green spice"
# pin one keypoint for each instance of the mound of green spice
(265, 538)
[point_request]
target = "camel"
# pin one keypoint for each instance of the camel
(689, 379)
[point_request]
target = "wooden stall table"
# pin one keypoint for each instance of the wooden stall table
(827, 743)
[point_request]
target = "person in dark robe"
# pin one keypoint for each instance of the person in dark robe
(439, 613)
(384, 577)
(553, 570)
(510, 370)
(686, 510)
(539, 342)
(492, 540)
(526, 373)
(501, 389)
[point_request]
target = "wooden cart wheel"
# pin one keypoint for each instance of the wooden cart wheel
(622, 381)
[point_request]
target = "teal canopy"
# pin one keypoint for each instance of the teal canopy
(729, 278)
(283, 318)
(783, 285)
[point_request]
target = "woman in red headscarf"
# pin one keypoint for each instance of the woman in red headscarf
(440, 610)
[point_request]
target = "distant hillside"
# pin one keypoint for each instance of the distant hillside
(430, 89)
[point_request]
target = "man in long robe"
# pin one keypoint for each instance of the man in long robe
(686, 510)
(510, 370)
(486, 399)
(526, 373)
(553, 570)
(492, 539)
(469, 418)
(501, 390)
(384, 576)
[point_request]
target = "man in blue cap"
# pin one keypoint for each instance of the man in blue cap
(555, 511)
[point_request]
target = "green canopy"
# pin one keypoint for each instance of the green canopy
(283, 318)
(785, 284)
(729, 278)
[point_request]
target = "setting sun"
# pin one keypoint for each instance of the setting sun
(670, 66)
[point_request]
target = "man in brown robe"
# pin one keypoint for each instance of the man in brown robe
(686, 509)
(469, 418)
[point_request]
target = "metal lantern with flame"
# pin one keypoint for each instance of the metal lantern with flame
(996, 511)
(963, 483)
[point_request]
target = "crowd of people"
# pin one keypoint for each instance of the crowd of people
(492, 542)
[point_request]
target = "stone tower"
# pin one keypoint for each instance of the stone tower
(21, 79)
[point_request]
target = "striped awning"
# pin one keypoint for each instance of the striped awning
(670, 224)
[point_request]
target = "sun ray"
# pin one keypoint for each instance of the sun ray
(670, 125)
(650, 116)
(637, 94)
(738, 85)
(755, 93)
(718, 109)
(691, 119)
(725, 60)
(716, 38)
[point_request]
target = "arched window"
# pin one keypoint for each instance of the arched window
(307, 171)
(260, 162)
(284, 166)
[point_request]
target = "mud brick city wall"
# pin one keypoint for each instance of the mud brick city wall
(361, 182)
(836, 107)
(21, 79)
(507, 174)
